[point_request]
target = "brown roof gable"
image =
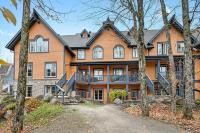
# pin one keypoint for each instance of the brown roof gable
(35, 18)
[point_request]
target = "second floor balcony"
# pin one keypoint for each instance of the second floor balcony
(104, 79)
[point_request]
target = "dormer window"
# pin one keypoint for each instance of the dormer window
(85, 34)
(39, 45)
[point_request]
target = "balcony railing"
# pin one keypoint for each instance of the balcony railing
(106, 78)
(117, 78)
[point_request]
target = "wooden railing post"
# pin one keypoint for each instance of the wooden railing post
(108, 81)
(127, 79)
(89, 78)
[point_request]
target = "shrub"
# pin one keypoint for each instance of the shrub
(42, 114)
(7, 100)
(32, 104)
(11, 106)
(117, 94)
(197, 104)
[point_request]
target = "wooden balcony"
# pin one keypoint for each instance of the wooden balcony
(104, 79)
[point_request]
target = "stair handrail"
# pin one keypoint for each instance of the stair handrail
(161, 78)
(150, 83)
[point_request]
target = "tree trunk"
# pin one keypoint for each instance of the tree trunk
(172, 71)
(188, 66)
(21, 86)
(142, 61)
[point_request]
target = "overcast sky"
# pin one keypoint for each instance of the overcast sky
(73, 23)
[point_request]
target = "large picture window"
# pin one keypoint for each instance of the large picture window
(97, 52)
(39, 45)
(81, 54)
(162, 48)
(118, 52)
(50, 69)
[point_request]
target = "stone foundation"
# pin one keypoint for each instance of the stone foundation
(38, 85)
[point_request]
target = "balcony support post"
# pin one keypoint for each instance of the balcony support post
(158, 66)
(108, 82)
(89, 87)
(127, 79)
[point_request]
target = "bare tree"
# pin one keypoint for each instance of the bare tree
(21, 86)
(172, 71)
(23, 58)
(188, 69)
(142, 61)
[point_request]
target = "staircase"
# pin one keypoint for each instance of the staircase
(65, 86)
(164, 83)
(150, 84)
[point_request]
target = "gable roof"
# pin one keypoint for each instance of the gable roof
(35, 18)
(108, 23)
(76, 41)
(176, 24)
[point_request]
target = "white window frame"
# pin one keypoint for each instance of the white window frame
(55, 71)
(49, 89)
(179, 48)
(162, 48)
(30, 65)
(97, 52)
(81, 54)
(98, 98)
(98, 73)
(135, 52)
(118, 52)
(39, 45)
(29, 88)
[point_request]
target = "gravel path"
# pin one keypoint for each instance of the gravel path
(104, 119)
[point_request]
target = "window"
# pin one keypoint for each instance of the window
(180, 47)
(29, 91)
(98, 52)
(163, 70)
(162, 48)
(98, 74)
(118, 71)
(98, 94)
(135, 94)
(39, 45)
(50, 70)
(135, 52)
(119, 52)
(81, 54)
(50, 89)
(29, 69)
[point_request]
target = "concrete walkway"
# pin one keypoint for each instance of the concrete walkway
(104, 119)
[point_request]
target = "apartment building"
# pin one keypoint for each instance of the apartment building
(94, 64)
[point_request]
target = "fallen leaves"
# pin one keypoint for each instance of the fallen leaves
(160, 111)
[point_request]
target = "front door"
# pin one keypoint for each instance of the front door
(98, 94)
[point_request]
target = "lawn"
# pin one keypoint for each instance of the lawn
(40, 116)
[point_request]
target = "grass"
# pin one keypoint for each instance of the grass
(43, 113)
